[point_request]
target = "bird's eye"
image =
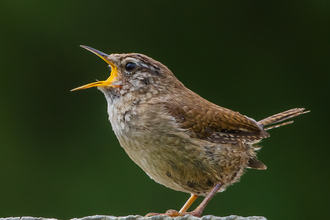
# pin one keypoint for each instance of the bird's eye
(130, 66)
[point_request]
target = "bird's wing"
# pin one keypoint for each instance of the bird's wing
(209, 121)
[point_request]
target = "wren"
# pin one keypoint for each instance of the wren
(178, 138)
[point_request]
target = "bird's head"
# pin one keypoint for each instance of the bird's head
(133, 73)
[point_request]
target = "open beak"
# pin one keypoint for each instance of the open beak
(107, 82)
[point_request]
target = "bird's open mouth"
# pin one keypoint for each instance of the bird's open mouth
(107, 82)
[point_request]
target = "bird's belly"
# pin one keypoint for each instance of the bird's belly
(181, 165)
(158, 157)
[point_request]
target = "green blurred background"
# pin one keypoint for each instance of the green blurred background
(58, 155)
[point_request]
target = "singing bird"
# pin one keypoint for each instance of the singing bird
(178, 138)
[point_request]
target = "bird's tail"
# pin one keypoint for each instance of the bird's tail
(254, 163)
(281, 117)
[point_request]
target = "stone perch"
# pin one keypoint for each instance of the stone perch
(138, 217)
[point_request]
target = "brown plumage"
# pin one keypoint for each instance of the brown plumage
(178, 138)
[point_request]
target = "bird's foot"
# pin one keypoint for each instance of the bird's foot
(174, 213)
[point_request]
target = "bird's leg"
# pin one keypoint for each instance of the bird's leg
(198, 211)
(174, 213)
(183, 210)
(189, 202)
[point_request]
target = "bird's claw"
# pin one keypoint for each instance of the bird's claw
(173, 213)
